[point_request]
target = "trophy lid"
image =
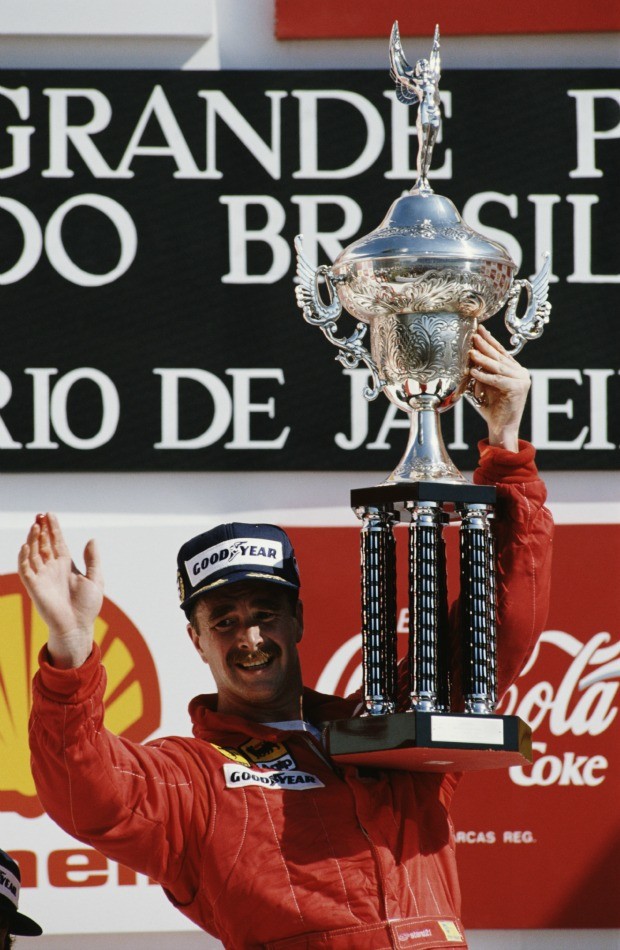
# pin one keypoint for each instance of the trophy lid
(421, 227)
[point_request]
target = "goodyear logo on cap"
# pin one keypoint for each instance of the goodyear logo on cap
(242, 552)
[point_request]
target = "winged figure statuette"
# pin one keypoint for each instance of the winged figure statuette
(419, 83)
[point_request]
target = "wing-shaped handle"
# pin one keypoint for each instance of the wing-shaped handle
(537, 310)
(325, 315)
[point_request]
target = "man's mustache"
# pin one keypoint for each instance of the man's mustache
(266, 652)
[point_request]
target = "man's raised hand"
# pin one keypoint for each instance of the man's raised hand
(67, 600)
(502, 384)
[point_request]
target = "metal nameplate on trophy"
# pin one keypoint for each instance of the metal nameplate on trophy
(422, 282)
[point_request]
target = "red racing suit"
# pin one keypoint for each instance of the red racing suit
(252, 832)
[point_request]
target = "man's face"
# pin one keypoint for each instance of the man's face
(248, 634)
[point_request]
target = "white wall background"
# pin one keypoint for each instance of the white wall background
(238, 34)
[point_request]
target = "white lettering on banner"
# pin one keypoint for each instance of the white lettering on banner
(587, 133)
(32, 241)
(177, 148)
(51, 408)
(20, 134)
(329, 243)
(244, 408)
(184, 391)
(71, 142)
(309, 138)
(542, 408)
(475, 837)
(518, 837)
(6, 389)
(219, 105)
(242, 551)
(582, 241)
(61, 133)
(57, 255)
(238, 777)
(543, 228)
(471, 211)
(237, 408)
(239, 235)
(125, 228)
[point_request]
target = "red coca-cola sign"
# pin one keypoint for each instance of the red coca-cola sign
(537, 846)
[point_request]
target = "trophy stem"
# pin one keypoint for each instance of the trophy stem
(426, 457)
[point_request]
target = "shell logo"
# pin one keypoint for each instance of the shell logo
(132, 699)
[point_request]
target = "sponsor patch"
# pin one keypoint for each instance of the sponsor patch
(244, 552)
(425, 933)
(451, 930)
(233, 754)
(268, 755)
(288, 780)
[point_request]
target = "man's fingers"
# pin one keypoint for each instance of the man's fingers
(45, 546)
(490, 340)
(32, 542)
(497, 380)
(23, 562)
(57, 540)
(93, 564)
(492, 364)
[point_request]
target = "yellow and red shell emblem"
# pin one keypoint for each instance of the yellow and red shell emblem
(132, 700)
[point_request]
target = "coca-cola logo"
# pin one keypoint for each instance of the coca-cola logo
(582, 703)
(567, 688)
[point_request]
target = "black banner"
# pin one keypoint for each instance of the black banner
(146, 260)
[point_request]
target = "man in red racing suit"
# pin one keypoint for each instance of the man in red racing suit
(250, 829)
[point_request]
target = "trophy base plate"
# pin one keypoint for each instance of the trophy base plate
(396, 494)
(430, 742)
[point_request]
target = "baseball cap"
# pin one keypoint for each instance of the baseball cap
(231, 553)
(10, 884)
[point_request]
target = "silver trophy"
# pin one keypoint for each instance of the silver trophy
(422, 281)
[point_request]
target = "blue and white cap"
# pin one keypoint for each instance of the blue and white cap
(231, 553)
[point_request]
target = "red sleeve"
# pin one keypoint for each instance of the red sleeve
(129, 801)
(524, 532)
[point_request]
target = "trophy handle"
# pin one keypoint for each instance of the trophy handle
(532, 323)
(325, 315)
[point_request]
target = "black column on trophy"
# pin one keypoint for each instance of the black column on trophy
(429, 735)
(478, 609)
(378, 556)
(492, 595)
(427, 596)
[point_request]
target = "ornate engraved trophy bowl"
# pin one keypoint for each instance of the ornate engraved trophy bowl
(422, 281)
(422, 357)
(423, 258)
